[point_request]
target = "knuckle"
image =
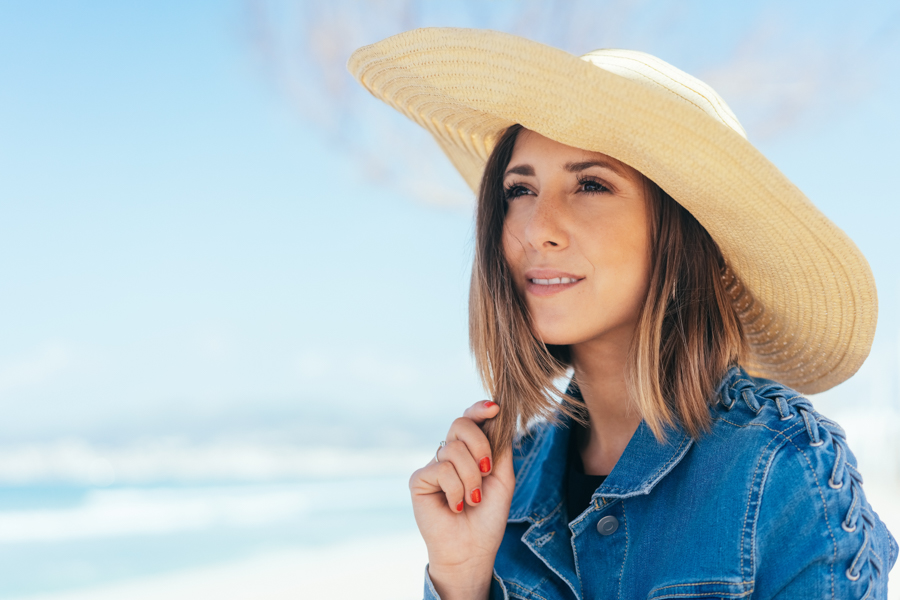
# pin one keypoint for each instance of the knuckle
(483, 449)
(470, 451)
(466, 457)
(445, 469)
(455, 447)
(452, 485)
(480, 447)
(460, 422)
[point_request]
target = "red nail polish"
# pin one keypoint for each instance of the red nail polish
(459, 506)
(476, 496)
(488, 404)
(484, 464)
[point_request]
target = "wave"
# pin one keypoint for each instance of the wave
(167, 460)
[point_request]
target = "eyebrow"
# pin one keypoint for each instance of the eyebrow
(528, 170)
(523, 170)
(581, 166)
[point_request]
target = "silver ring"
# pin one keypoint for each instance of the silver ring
(436, 459)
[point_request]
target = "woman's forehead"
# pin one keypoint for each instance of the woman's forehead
(531, 147)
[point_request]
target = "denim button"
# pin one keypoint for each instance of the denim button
(607, 525)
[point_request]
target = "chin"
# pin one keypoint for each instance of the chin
(554, 336)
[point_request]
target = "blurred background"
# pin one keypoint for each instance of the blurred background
(233, 285)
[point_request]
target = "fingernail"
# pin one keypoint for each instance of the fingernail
(488, 404)
(459, 506)
(484, 464)
(476, 496)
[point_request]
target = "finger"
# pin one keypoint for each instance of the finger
(503, 469)
(467, 431)
(436, 478)
(482, 411)
(457, 453)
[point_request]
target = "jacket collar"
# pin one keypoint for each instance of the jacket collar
(539, 481)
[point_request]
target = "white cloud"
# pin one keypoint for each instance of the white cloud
(780, 76)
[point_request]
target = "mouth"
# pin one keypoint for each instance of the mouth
(554, 281)
(546, 282)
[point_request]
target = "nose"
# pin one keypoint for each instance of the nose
(545, 228)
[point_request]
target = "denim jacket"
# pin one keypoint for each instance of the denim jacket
(768, 504)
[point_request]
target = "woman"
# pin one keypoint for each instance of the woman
(629, 236)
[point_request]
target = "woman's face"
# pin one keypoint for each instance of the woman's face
(577, 240)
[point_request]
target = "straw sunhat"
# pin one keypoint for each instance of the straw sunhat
(803, 290)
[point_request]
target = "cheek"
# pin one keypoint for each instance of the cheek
(634, 292)
(622, 269)
(639, 277)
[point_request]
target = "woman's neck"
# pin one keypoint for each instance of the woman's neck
(600, 373)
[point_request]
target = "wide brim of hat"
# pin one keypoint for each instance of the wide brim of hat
(804, 292)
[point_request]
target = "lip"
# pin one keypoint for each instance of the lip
(538, 289)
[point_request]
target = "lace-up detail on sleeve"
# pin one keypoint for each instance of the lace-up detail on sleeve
(823, 446)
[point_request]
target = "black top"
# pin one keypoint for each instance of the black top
(579, 487)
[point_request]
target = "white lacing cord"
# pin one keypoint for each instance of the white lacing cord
(750, 398)
(853, 573)
(812, 428)
(783, 409)
(812, 421)
(849, 522)
(836, 481)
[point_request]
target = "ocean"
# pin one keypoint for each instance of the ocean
(313, 538)
(236, 521)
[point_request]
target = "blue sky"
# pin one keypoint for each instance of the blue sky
(186, 252)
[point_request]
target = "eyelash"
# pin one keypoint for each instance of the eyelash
(603, 188)
(509, 190)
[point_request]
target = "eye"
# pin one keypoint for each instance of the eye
(592, 186)
(514, 190)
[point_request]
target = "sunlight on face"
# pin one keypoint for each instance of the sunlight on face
(577, 240)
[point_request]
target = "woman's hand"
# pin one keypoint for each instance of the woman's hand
(461, 506)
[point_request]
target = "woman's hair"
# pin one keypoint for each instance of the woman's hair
(686, 338)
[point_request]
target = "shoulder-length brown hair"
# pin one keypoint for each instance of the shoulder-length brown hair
(686, 338)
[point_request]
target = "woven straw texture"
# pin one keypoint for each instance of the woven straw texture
(803, 290)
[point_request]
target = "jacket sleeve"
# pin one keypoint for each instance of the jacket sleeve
(817, 536)
(498, 589)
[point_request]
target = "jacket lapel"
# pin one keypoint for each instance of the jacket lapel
(538, 499)
(539, 496)
(645, 462)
